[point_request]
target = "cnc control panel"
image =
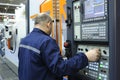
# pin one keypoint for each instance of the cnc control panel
(92, 26)
(90, 20)
(96, 70)
(94, 31)
(89, 29)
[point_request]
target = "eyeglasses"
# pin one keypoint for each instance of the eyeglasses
(56, 20)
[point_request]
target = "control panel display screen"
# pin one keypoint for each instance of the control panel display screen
(94, 8)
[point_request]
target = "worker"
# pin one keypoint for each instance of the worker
(39, 55)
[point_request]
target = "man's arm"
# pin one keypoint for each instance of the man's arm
(54, 61)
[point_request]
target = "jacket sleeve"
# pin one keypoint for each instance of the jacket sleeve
(57, 65)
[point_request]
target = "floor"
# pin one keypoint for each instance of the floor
(7, 73)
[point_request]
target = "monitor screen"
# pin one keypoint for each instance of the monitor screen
(94, 8)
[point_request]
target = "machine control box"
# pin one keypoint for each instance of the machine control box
(94, 31)
(96, 70)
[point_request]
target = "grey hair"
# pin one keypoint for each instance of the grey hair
(42, 19)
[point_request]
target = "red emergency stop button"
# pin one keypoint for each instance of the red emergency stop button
(66, 44)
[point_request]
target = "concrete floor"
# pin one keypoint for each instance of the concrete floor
(6, 72)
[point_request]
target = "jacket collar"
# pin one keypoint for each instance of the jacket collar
(40, 31)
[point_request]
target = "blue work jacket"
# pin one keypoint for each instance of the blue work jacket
(40, 59)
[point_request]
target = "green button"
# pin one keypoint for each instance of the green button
(100, 78)
(101, 65)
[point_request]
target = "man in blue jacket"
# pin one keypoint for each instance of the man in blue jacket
(39, 55)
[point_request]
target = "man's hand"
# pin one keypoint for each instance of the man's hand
(93, 55)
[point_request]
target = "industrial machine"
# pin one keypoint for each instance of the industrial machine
(94, 24)
(13, 25)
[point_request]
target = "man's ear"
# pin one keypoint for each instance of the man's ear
(48, 24)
